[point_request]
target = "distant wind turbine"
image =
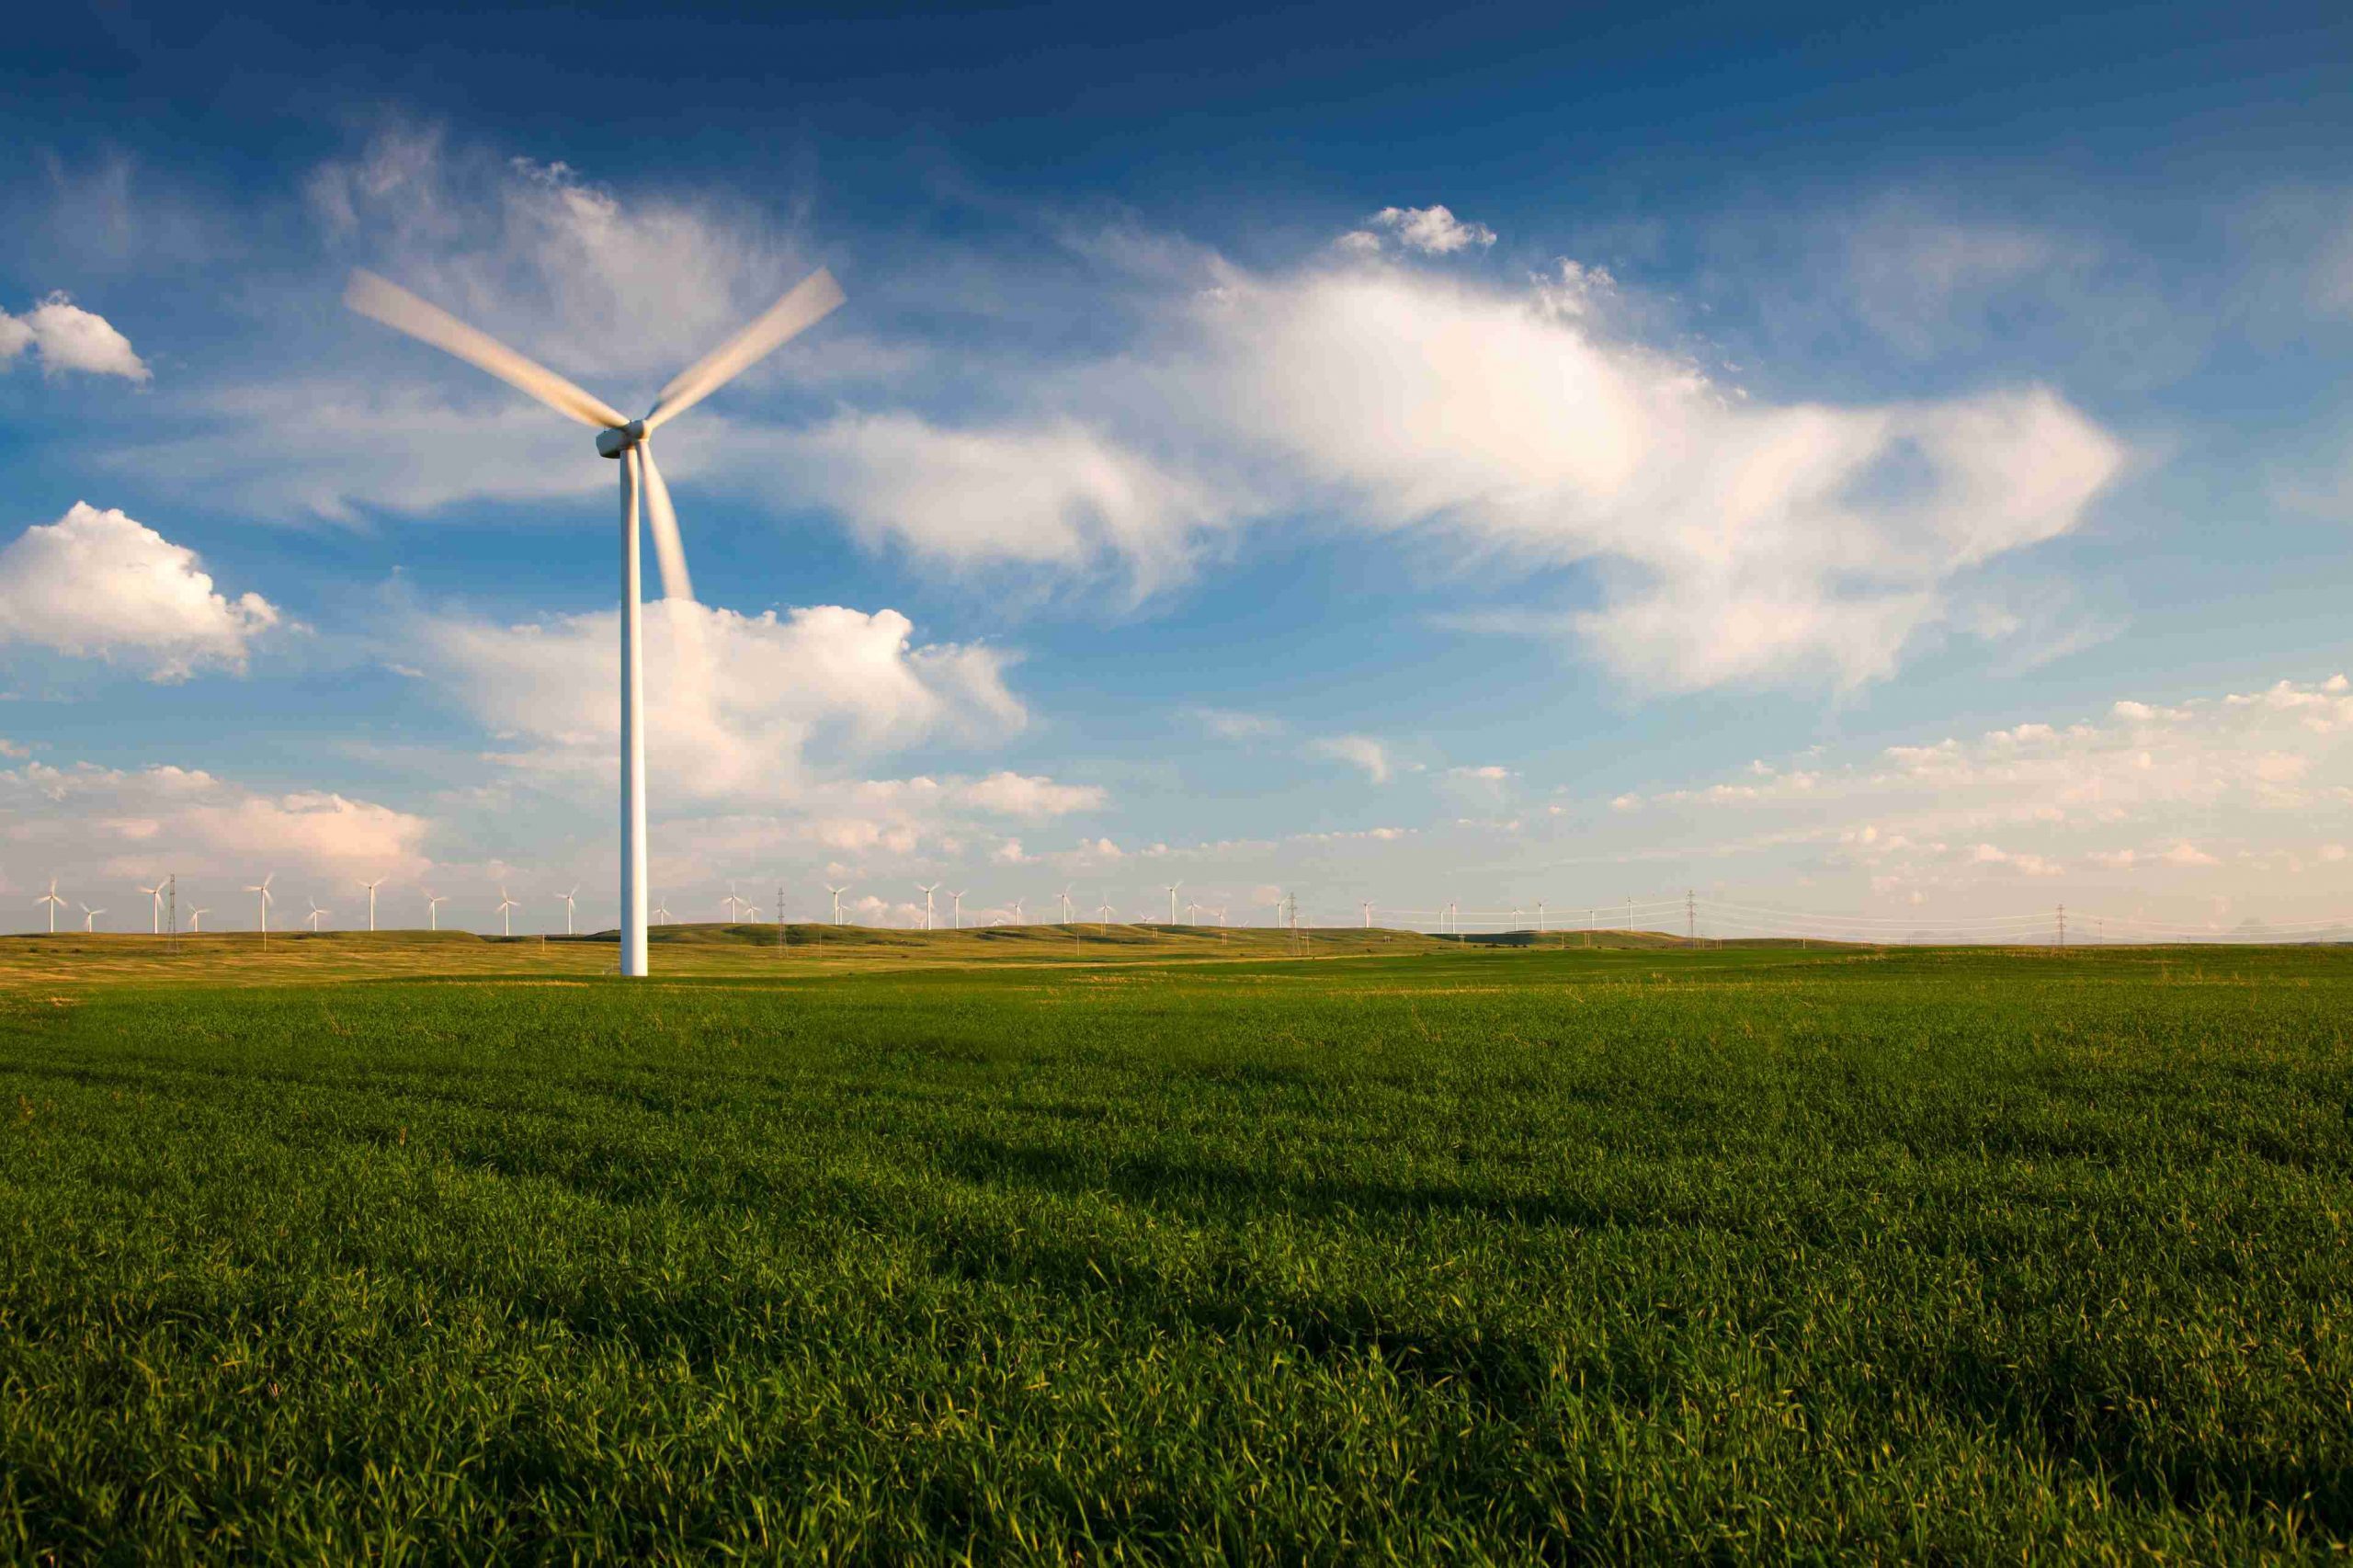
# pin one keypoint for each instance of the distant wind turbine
(261, 890)
(90, 918)
(733, 903)
(196, 919)
(837, 893)
(927, 892)
(1016, 911)
(662, 913)
(1192, 909)
(1103, 912)
(507, 906)
(567, 908)
(371, 888)
(317, 914)
(1065, 896)
(1172, 902)
(1367, 915)
(957, 899)
(626, 440)
(155, 913)
(50, 899)
(433, 903)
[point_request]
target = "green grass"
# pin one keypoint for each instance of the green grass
(1457, 1257)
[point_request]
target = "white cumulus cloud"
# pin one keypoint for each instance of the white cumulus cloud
(1432, 230)
(100, 583)
(67, 337)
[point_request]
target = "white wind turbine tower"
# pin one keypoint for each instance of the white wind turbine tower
(433, 903)
(628, 441)
(195, 920)
(1065, 896)
(1192, 908)
(567, 908)
(1367, 915)
(261, 891)
(90, 919)
(317, 914)
(927, 892)
(155, 910)
(662, 913)
(1540, 917)
(505, 910)
(50, 899)
(956, 900)
(1172, 902)
(1104, 911)
(733, 903)
(1016, 911)
(837, 893)
(371, 888)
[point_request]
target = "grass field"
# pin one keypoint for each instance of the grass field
(1437, 1255)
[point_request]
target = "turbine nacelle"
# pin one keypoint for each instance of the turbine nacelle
(613, 442)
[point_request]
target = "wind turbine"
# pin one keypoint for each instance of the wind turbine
(1065, 896)
(196, 919)
(957, 900)
(317, 914)
(567, 908)
(1104, 911)
(50, 899)
(626, 441)
(262, 888)
(1016, 911)
(1192, 908)
(1367, 915)
(506, 906)
(90, 919)
(837, 893)
(371, 888)
(155, 913)
(433, 903)
(662, 913)
(1172, 902)
(927, 892)
(733, 903)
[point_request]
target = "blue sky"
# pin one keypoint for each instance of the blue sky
(1889, 466)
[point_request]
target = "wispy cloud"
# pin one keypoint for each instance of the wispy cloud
(1358, 751)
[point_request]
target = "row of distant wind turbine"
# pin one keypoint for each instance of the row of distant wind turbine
(739, 909)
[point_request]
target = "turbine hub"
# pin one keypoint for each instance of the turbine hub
(612, 442)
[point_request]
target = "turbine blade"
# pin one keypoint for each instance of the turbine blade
(810, 301)
(381, 299)
(669, 548)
